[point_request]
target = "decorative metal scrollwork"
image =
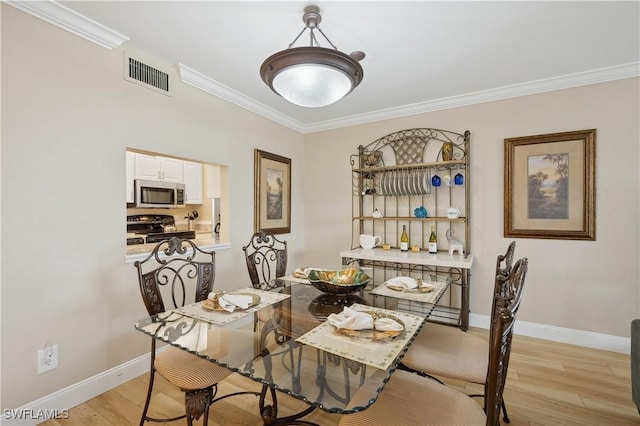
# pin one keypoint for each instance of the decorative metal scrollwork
(266, 258)
(409, 145)
(172, 265)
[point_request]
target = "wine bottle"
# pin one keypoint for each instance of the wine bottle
(433, 241)
(404, 239)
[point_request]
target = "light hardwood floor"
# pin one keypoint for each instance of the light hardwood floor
(548, 384)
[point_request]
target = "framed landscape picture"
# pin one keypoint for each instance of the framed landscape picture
(272, 193)
(549, 186)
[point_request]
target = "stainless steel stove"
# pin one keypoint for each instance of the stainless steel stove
(145, 229)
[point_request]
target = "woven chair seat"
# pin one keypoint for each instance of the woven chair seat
(188, 371)
(408, 399)
(445, 351)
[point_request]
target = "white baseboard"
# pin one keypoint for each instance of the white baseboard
(85, 390)
(42, 409)
(563, 335)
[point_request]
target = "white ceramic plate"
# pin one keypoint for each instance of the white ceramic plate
(392, 184)
(409, 187)
(407, 183)
(426, 182)
(419, 185)
(416, 183)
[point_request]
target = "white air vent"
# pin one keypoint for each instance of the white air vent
(145, 75)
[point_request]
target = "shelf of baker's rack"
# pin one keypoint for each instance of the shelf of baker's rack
(438, 165)
(411, 218)
(440, 259)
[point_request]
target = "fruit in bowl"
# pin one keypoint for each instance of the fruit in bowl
(343, 281)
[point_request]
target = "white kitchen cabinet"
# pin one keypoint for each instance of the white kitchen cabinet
(153, 167)
(130, 175)
(192, 182)
(147, 167)
(214, 182)
(172, 170)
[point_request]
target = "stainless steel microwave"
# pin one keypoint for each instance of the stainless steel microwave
(158, 194)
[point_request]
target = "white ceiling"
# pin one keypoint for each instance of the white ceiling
(421, 55)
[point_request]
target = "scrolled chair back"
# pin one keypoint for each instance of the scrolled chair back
(502, 273)
(175, 270)
(266, 258)
(501, 337)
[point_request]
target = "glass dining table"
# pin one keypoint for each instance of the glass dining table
(285, 343)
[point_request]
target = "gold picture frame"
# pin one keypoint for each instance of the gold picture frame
(272, 193)
(549, 186)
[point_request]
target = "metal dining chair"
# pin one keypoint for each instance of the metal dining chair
(175, 273)
(445, 351)
(266, 258)
(409, 399)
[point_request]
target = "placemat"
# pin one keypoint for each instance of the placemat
(196, 310)
(376, 353)
(431, 297)
(295, 279)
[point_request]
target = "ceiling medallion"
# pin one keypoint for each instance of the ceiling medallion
(312, 76)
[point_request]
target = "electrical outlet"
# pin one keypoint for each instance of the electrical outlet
(47, 358)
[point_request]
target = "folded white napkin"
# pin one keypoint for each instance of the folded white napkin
(229, 302)
(354, 320)
(302, 272)
(351, 319)
(404, 282)
(387, 324)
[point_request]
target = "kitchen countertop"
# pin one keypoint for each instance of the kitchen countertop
(204, 240)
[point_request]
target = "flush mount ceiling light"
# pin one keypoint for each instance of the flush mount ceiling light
(312, 76)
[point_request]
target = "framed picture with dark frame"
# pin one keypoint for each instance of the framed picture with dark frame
(549, 186)
(272, 193)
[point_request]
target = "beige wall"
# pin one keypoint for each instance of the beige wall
(68, 115)
(589, 286)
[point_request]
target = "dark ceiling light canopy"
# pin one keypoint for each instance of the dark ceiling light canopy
(312, 76)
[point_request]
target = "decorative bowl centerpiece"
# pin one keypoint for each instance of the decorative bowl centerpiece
(342, 281)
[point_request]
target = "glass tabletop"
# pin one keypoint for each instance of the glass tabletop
(286, 344)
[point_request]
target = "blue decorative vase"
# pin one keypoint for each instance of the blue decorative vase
(420, 212)
(458, 179)
(436, 181)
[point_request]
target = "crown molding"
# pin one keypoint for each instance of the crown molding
(202, 82)
(65, 18)
(601, 75)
